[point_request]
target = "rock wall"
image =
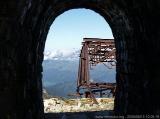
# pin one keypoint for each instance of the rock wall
(24, 26)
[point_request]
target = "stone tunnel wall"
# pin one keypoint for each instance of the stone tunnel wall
(24, 26)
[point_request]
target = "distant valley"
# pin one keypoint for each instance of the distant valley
(60, 73)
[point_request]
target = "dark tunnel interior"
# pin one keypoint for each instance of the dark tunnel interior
(24, 27)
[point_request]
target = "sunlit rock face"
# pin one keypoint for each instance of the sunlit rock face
(57, 105)
(23, 29)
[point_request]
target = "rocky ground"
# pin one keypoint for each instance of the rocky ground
(56, 105)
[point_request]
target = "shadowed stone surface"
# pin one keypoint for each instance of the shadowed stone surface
(24, 25)
(81, 115)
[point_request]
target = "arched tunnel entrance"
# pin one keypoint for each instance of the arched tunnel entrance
(62, 70)
(23, 30)
(88, 7)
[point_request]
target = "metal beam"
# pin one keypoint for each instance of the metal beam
(94, 51)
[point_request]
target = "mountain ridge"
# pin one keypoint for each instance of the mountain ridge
(62, 54)
(60, 73)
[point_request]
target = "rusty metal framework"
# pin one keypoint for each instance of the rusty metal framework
(93, 52)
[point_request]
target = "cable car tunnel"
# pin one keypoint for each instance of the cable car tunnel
(24, 26)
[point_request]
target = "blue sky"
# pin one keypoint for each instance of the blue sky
(69, 29)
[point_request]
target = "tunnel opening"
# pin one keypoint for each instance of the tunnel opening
(23, 30)
(64, 88)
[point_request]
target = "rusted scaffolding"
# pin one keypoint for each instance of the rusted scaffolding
(93, 52)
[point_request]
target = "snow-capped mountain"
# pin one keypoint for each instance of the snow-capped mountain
(62, 54)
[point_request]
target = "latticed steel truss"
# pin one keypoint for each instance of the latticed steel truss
(93, 52)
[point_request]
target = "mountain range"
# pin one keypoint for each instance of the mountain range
(62, 54)
(60, 71)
